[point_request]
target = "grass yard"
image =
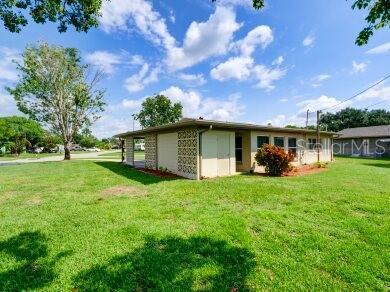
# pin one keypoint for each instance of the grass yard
(99, 226)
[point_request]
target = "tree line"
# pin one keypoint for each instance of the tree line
(18, 134)
(353, 118)
(350, 118)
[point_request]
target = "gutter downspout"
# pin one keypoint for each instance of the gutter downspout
(200, 132)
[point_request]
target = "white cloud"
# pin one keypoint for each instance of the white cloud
(259, 36)
(278, 121)
(317, 80)
(234, 68)
(308, 41)
(195, 105)
(137, 60)
(122, 15)
(145, 76)
(189, 99)
(204, 39)
(111, 124)
(379, 92)
(245, 3)
(104, 60)
(243, 67)
(284, 99)
(382, 49)
(322, 77)
(358, 67)
(266, 76)
(278, 61)
(8, 71)
(172, 16)
(8, 105)
(133, 104)
(192, 79)
(322, 102)
(314, 104)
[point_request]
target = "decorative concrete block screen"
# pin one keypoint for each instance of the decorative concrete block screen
(151, 151)
(187, 153)
(129, 146)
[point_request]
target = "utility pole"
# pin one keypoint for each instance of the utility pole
(318, 136)
(307, 118)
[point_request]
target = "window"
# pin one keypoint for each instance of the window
(292, 145)
(262, 140)
(312, 143)
(279, 141)
(239, 149)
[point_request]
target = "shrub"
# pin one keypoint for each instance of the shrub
(275, 160)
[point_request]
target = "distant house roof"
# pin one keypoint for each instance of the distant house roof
(186, 122)
(365, 132)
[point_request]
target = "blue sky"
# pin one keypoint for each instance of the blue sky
(223, 61)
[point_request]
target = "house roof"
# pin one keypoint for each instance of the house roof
(186, 122)
(363, 132)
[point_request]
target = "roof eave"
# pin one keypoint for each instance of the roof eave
(217, 124)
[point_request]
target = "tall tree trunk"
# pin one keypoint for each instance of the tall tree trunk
(67, 151)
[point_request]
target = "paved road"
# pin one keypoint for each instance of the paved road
(86, 155)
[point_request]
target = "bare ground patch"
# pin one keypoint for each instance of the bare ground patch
(123, 191)
(305, 169)
(34, 201)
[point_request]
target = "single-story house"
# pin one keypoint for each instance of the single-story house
(198, 148)
(363, 141)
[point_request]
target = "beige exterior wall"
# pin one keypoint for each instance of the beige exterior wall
(178, 151)
(218, 153)
(167, 151)
(304, 156)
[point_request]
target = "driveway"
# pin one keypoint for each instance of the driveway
(74, 156)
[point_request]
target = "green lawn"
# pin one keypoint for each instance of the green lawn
(102, 226)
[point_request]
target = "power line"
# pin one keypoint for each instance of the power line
(383, 101)
(357, 94)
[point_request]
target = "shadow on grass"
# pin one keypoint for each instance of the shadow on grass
(131, 173)
(33, 269)
(383, 165)
(172, 264)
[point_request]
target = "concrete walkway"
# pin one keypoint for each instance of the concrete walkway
(75, 156)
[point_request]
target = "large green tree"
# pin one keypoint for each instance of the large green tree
(55, 90)
(159, 110)
(18, 132)
(352, 118)
(81, 14)
(378, 17)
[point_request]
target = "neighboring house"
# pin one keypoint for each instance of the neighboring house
(197, 148)
(364, 141)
